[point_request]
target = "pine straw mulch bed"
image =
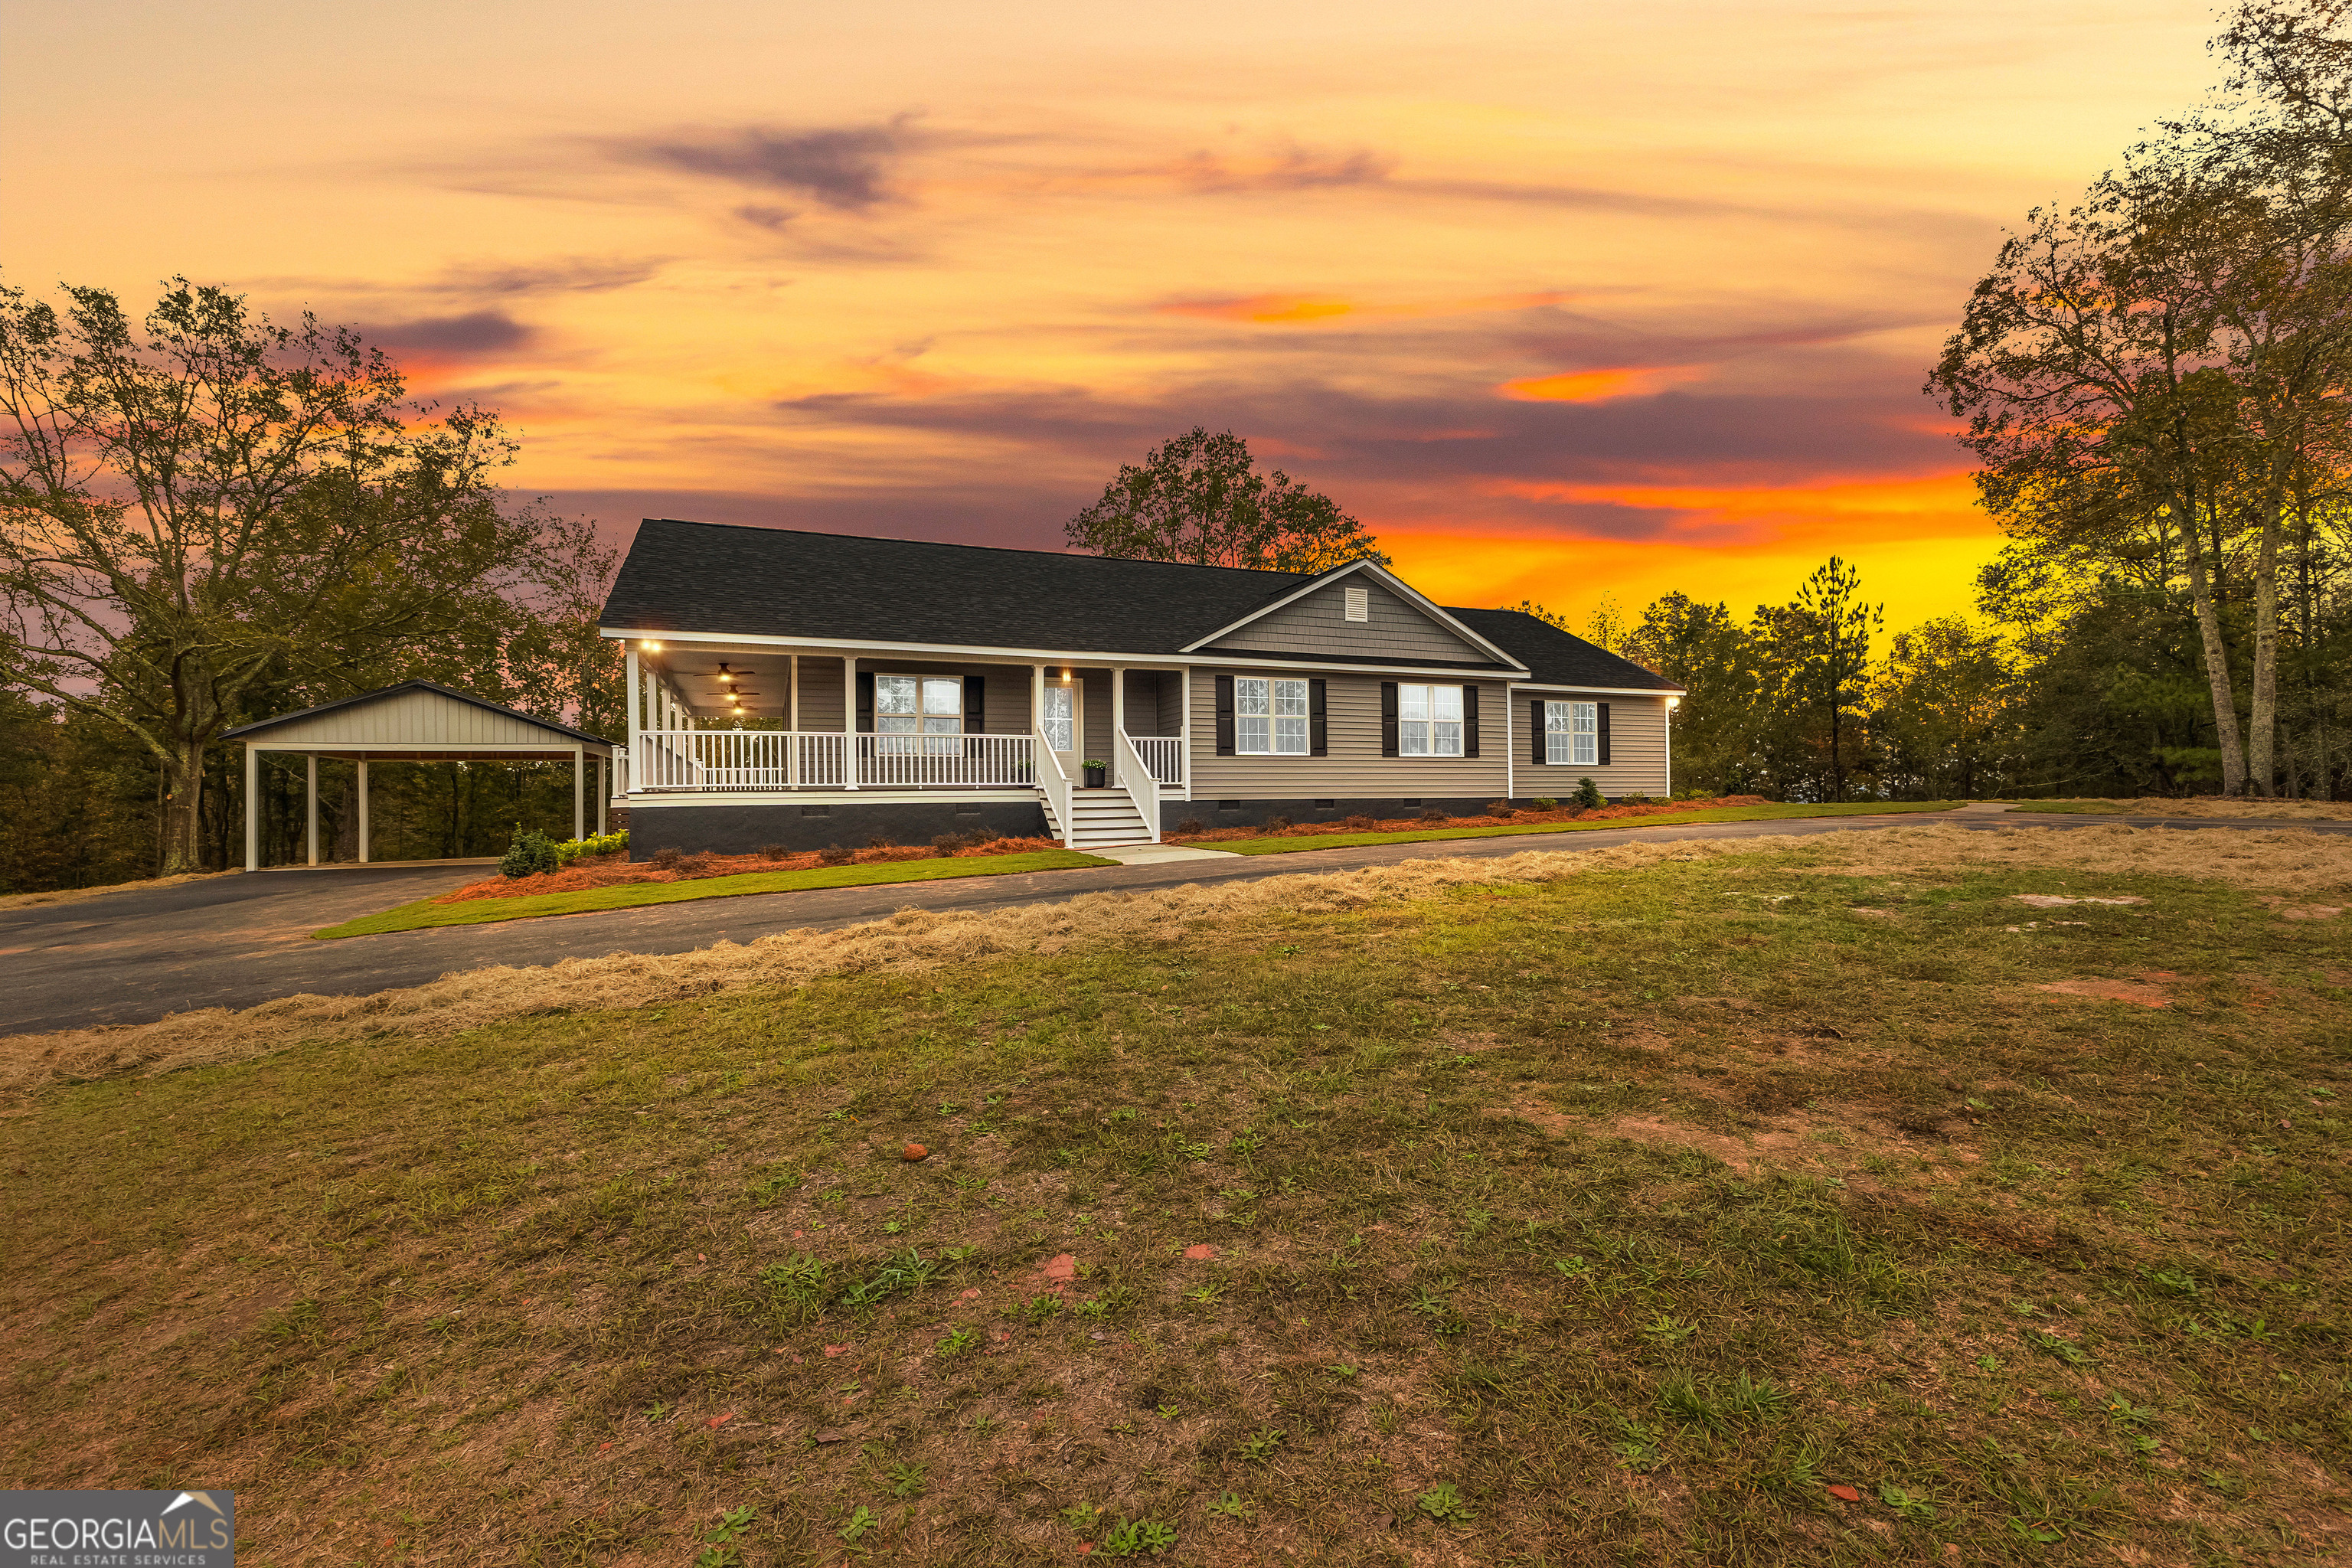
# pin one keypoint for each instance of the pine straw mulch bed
(616, 871)
(1491, 819)
(2202, 805)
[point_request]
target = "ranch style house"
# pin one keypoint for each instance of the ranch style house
(807, 690)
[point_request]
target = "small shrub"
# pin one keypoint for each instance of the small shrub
(880, 841)
(531, 855)
(594, 844)
(1277, 824)
(945, 845)
(1501, 808)
(1359, 822)
(1633, 800)
(1545, 802)
(668, 858)
(1434, 814)
(1588, 795)
(1192, 825)
(773, 852)
(835, 855)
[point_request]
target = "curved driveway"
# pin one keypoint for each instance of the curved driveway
(234, 942)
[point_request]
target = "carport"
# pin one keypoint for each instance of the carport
(415, 721)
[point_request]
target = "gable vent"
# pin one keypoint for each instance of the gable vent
(1360, 604)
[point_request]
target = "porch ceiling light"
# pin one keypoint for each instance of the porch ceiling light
(650, 645)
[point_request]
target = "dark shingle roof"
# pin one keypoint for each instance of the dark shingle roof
(1554, 657)
(708, 578)
(772, 582)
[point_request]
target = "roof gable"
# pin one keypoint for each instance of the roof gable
(416, 712)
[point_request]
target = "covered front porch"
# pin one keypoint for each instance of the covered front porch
(712, 720)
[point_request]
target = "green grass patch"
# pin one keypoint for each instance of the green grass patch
(425, 912)
(1733, 1211)
(1280, 846)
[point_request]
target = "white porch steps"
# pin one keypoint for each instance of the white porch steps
(1100, 817)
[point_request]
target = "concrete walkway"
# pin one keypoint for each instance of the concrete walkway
(236, 942)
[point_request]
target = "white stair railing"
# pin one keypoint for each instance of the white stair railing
(1054, 786)
(1141, 786)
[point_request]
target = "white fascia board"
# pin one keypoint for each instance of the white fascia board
(1427, 605)
(1602, 690)
(981, 654)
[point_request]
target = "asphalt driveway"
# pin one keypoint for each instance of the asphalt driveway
(236, 942)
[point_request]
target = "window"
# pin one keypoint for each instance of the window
(1059, 726)
(1360, 604)
(1572, 734)
(1269, 717)
(1429, 720)
(931, 706)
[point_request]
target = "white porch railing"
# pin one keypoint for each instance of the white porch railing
(813, 759)
(1135, 777)
(1162, 756)
(1055, 785)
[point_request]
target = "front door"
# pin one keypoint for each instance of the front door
(1061, 725)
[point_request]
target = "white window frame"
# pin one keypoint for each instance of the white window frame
(1572, 734)
(1422, 721)
(1271, 716)
(941, 734)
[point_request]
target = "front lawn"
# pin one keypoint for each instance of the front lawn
(1746, 1208)
(634, 895)
(1284, 844)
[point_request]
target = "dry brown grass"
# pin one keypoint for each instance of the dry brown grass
(2218, 805)
(2287, 861)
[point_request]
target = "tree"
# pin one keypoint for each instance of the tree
(1199, 497)
(202, 504)
(1702, 649)
(1941, 712)
(1822, 647)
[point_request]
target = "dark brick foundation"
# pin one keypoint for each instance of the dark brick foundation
(1211, 812)
(726, 829)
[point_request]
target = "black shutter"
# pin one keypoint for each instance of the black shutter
(1469, 720)
(1603, 727)
(1319, 727)
(1224, 715)
(1538, 749)
(865, 702)
(1388, 719)
(976, 705)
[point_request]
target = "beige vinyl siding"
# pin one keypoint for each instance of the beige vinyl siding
(1318, 624)
(411, 719)
(1637, 746)
(1355, 767)
(1154, 703)
(1004, 694)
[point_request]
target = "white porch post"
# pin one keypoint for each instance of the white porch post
(579, 783)
(637, 760)
(849, 720)
(604, 790)
(252, 806)
(310, 807)
(1037, 700)
(363, 808)
(1511, 747)
(1117, 717)
(1184, 729)
(793, 696)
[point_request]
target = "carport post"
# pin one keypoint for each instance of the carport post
(252, 794)
(579, 800)
(363, 833)
(310, 807)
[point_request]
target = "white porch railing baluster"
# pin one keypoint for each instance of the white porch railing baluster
(773, 760)
(1163, 756)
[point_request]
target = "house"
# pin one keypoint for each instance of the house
(807, 690)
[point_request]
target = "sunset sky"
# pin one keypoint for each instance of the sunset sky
(1562, 300)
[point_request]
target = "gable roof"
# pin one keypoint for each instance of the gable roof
(702, 578)
(1554, 657)
(436, 688)
(1402, 589)
(708, 579)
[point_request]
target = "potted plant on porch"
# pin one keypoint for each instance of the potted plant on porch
(1098, 773)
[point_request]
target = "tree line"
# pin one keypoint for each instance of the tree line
(207, 517)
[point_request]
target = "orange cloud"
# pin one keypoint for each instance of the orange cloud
(1288, 308)
(1597, 385)
(1937, 504)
